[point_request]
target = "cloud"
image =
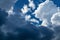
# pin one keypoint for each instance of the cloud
(20, 4)
(13, 21)
(56, 19)
(44, 11)
(57, 32)
(25, 9)
(10, 11)
(16, 28)
(6, 4)
(31, 4)
(46, 33)
(3, 17)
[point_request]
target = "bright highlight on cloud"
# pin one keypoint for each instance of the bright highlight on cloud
(31, 4)
(25, 9)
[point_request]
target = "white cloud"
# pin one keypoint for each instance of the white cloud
(13, 22)
(55, 19)
(40, 6)
(45, 11)
(31, 4)
(10, 11)
(27, 17)
(34, 20)
(6, 4)
(25, 9)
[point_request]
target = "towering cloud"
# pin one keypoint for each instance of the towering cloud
(45, 13)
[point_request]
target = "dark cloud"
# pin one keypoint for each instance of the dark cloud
(26, 32)
(57, 33)
(46, 33)
(3, 16)
(30, 32)
(17, 28)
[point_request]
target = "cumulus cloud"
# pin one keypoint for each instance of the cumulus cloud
(6, 4)
(56, 19)
(45, 11)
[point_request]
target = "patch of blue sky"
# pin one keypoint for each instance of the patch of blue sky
(20, 3)
(56, 2)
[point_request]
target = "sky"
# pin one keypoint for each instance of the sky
(29, 19)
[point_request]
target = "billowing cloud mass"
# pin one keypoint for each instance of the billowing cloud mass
(56, 19)
(45, 11)
(6, 4)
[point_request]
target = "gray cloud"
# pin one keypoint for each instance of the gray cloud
(16, 28)
(57, 33)
(6, 4)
